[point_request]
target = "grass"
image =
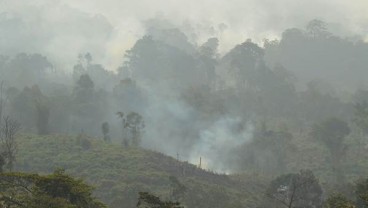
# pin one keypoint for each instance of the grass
(119, 173)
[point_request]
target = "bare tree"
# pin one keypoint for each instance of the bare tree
(9, 129)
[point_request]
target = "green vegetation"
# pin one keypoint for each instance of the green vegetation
(119, 173)
(148, 200)
(58, 190)
(286, 120)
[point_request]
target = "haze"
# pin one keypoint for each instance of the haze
(210, 103)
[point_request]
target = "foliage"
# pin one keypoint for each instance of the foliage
(132, 127)
(51, 191)
(120, 173)
(147, 200)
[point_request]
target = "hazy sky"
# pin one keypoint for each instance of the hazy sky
(233, 21)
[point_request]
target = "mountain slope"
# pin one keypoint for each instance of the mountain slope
(119, 173)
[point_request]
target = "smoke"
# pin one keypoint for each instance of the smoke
(61, 29)
(53, 29)
(218, 142)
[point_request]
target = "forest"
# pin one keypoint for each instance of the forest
(178, 122)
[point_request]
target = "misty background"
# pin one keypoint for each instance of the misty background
(205, 79)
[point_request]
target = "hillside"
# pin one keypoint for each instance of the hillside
(120, 173)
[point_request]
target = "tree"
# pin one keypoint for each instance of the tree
(243, 63)
(208, 62)
(147, 200)
(133, 125)
(8, 144)
(157, 63)
(88, 106)
(296, 190)
(317, 28)
(332, 133)
(101, 77)
(105, 131)
(84, 84)
(31, 107)
(57, 190)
